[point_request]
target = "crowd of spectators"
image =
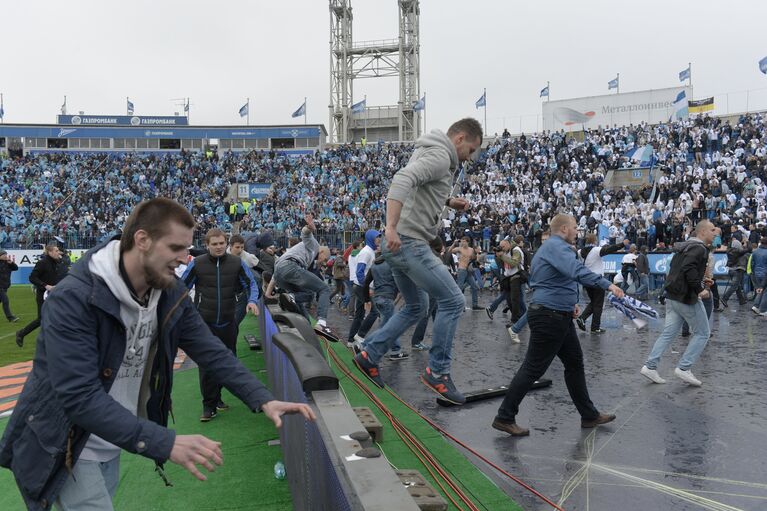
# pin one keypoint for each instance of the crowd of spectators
(708, 168)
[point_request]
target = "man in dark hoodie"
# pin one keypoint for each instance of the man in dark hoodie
(417, 196)
(6, 268)
(686, 279)
(737, 261)
(103, 370)
(219, 280)
(362, 264)
(45, 275)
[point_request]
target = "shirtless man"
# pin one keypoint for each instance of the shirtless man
(466, 255)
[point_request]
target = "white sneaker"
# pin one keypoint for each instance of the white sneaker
(688, 377)
(358, 338)
(651, 374)
(514, 336)
(755, 309)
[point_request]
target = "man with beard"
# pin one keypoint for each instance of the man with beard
(45, 275)
(102, 374)
(219, 279)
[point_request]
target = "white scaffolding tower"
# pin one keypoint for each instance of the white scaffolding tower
(374, 59)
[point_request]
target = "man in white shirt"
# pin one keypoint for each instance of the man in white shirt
(628, 267)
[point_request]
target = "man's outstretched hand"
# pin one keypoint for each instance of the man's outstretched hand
(191, 450)
(276, 409)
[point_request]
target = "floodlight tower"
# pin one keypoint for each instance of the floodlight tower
(374, 59)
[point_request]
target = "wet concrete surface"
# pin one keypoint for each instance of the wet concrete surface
(672, 447)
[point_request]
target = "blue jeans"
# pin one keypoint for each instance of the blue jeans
(294, 278)
(385, 308)
(520, 324)
(420, 328)
(415, 268)
(466, 277)
(676, 314)
(761, 299)
(644, 285)
(90, 487)
(498, 301)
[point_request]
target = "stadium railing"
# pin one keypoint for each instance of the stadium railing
(330, 463)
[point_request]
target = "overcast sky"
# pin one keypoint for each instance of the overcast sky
(277, 52)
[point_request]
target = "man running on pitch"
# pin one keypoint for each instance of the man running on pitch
(416, 198)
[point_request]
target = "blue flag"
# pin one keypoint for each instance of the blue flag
(681, 106)
(244, 109)
(482, 101)
(643, 155)
(544, 92)
(358, 108)
(684, 74)
(763, 65)
(612, 84)
(420, 104)
(301, 111)
(186, 106)
(2, 112)
(130, 107)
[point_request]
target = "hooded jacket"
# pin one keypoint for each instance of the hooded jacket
(424, 185)
(80, 350)
(6, 267)
(366, 256)
(688, 266)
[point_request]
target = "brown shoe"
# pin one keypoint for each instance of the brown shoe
(602, 418)
(511, 428)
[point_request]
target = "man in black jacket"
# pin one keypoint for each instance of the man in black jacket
(684, 283)
(219, 278)
(6, 267)
(45, 275)
(592, 259)
(737, 261)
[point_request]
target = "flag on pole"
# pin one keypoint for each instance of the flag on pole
(420, 104)
(544, 92)
(763, 65)
(680, 106)
(130, 107)
(186, 106)
(612, 84)
(684, 74)
(641, 155)
(244, 109)
(2, 111)
(358, 108)
(482, 101)
(300, 112)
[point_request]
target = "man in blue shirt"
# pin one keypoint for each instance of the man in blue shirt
(554, 278)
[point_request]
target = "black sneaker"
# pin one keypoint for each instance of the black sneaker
(369, 368)
(19, 339)
(476, 308)
(489, 313)
(13, 319)
(400, 355)
(207, 415)
(581, 324)
(326, 332)
(598, 331)
(724, 303)
(443, 386)
(222, 407)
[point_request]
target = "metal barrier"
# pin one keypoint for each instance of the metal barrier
(326, 461)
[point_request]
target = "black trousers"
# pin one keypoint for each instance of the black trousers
(209, 387)
(595, 306)
(6, 303)
(361, 324)
(513, 297)
(735, 286)
(552, 334)
(35, 322)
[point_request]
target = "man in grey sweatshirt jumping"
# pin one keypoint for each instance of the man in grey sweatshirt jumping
(417, 196)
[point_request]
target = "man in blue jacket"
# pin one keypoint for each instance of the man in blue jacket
(554, 277)
(102, 374)
(759, 267)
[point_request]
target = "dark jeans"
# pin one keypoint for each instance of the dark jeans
(35, 322)
(735, 286)
(6, 303)
(552, 334)
(514, 298)
(210, 388)
(361, 324)
(595, 306)
(339, 290)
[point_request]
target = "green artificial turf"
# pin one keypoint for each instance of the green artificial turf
(23, 305)
(245, 481)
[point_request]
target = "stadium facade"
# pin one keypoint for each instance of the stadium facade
(155, 134)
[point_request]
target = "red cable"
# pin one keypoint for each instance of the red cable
(444, 432)
(410, 440)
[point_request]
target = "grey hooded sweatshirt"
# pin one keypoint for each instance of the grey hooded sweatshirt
(424, 184)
